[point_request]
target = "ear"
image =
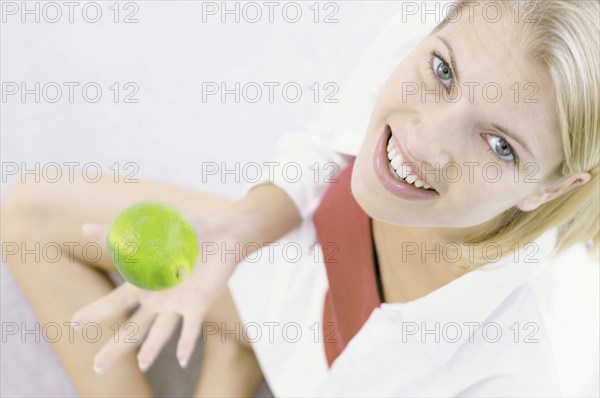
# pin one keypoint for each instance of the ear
(553, 190)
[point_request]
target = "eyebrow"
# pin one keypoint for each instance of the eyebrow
(449, 47)
(515, 137)
(502, 129)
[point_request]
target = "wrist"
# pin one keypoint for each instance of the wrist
(264, 215)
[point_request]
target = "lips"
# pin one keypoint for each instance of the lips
(404, 166)
(390, 180)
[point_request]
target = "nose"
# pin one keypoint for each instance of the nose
(430, 143)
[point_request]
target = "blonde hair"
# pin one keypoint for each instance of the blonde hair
(564, 37)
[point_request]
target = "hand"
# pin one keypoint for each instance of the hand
(159, 311)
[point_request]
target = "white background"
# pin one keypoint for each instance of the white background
(170, 132)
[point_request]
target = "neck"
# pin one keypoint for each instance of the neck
(414, 260)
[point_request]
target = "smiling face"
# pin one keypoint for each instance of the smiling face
(483, 150)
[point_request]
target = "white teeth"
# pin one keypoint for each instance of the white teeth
(411, 179)
(397, 172)
(402, 170)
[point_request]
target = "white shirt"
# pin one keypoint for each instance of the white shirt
(280, 296)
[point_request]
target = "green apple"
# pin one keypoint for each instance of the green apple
(152, 245)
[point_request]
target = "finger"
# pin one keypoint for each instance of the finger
(128, 337)
(115, 303)
(159, 334)
(98, 233)
(189, 335)
(95, 232)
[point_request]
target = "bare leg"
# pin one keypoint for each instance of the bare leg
(53, 212)
(229, 366)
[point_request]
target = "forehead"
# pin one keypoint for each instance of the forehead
(519, 93)
(494, 51)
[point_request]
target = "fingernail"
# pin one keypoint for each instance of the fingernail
(98, 369)
(143, 366)
(183, 363)
(86, 228)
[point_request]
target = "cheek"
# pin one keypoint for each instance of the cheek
(401, 88)
(490, 190)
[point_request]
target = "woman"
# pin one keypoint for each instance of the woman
(480, 170)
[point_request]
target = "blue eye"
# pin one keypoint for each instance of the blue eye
(442, 70)
(498, 146)
(502, 149)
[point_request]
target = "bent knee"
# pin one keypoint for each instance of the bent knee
(222, 322)
(19, 205)
(28, 205)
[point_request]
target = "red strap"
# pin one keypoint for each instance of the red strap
(344, 232)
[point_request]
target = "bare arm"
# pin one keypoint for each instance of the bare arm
(263, 215)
